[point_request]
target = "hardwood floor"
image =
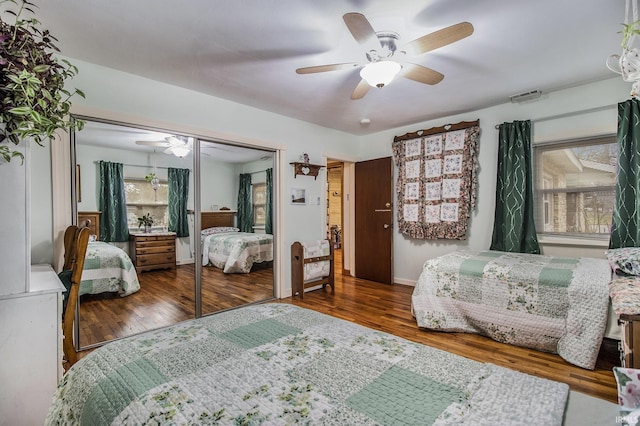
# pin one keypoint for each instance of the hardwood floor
(379, 306)
(167, 297)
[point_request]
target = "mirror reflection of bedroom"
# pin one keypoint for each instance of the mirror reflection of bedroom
(137, 191)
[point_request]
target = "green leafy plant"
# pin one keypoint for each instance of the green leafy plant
(35, 103)
(629, 31)
(145, 220)
(150, 177)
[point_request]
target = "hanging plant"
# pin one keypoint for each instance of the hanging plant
(35, 103)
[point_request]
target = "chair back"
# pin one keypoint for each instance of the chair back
(70, 235)
(77, 251)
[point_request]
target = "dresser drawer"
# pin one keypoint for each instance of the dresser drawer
(153, 249)
(156, 259)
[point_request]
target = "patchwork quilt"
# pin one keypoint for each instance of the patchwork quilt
(279, 364)
(108, 268)
(548, 303)
(236, 252)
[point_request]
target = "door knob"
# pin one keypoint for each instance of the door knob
(388, 205)
(386, 226)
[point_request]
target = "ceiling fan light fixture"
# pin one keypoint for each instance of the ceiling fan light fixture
(381, 73)
(180, 151)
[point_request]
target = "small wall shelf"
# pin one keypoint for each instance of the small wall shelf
(306, 169)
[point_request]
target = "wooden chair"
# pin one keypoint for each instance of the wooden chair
(76, 241)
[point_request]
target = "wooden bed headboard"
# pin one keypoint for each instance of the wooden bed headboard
(219, 218)
(93, 223)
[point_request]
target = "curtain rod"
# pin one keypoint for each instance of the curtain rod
(138, 165)
(569, 114)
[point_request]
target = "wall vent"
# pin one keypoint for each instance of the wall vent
(526, 96)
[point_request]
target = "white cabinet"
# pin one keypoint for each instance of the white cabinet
(30, 348)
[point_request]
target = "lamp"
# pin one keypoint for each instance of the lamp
(379, 74)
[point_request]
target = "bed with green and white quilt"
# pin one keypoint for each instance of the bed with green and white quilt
(548, 303)
(108, 268)
(236, 252)
(279, 364)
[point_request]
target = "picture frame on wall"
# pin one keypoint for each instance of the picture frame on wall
(298, 196)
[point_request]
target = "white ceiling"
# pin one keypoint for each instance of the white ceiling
(247, 51)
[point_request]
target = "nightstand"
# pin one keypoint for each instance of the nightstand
(155, 250)
(630, 341)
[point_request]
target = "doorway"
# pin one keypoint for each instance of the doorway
(335, 211)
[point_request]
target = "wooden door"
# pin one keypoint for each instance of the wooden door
(374, 220)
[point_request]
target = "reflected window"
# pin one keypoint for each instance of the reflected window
(146, 197)
(259, 197)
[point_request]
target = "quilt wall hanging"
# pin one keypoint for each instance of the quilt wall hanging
(437, 179)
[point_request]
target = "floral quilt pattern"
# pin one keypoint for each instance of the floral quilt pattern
(279, 364)
(547, 303)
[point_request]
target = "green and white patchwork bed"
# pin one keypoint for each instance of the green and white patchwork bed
(279, 364)
(236, 252)
(108, 268)
(547, 303)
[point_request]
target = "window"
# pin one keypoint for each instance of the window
(575, 187)
(259, 197)
(143, 199)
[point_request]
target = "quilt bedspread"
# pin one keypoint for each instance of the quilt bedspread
(108, 268)
(236, 252)
(280, 364)
(547, 303)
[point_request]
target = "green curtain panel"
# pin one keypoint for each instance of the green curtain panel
(113, 204)
(513, 228)
(624, 228)
(268, 220)
(245, 207)
(178, 196)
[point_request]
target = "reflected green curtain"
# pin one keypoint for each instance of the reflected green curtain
(513, 228)
(268, 220)
(178, 196)
(624, 228)
(245, 206)
(112, 203)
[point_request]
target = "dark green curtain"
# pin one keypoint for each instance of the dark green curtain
(268, 221)
(624, 228)
(113, 204)
(178, 196)
(245, 207)
(513, 226)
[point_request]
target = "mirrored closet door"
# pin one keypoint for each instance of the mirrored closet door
(136, 189)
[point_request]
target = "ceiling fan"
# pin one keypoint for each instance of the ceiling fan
(176, 145)
(380, 47)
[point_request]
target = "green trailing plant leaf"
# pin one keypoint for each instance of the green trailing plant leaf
(34, 103)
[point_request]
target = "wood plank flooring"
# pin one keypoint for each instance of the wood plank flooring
(167, 297)
(379, 306)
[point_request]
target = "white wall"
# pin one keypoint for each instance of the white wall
(410, 254)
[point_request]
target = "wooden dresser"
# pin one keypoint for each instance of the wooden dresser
(155, 250)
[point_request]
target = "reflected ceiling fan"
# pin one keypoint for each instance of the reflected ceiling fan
(176, 145)
(380, 48)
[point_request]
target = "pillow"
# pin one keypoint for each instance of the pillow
(625, 259)
(93, 238)
(628, 380)
(218, 230)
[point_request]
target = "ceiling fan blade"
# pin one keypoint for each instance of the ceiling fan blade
(325, 68)
(421, 74)
(440, 38)
(361, 29)
(361, 89)
(152, 143)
